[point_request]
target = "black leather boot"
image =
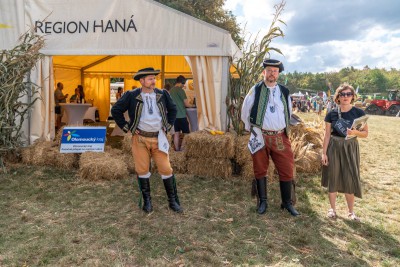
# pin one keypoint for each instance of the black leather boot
(286, 194)
(262, 195)
(144, 184)
(172, 193)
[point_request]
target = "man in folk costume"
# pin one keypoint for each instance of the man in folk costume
(151, 114)
(266, 114)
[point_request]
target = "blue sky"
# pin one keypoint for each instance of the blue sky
(328, 35)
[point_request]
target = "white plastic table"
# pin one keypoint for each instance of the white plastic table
(75, 112)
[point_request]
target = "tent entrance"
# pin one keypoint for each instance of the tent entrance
(95, 72)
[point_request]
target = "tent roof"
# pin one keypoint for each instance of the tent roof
(120, 27)
(173, 65)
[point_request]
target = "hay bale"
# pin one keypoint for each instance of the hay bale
(247, 171)
(307, 141)
(47, 153)
(28, 153)
(210, 167)
(61, 160)
(102, 166)
(314, 136)
(57, 138)
(310, 162)
(127, 143)
(178, 162)
(299, 146)
(36, 154)
(130, 163)
(242, 152)
(202, 144)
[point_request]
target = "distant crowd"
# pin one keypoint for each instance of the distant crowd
(313, 105)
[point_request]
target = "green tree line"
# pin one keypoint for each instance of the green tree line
(368, 80)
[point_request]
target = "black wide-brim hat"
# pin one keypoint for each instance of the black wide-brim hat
(273, 63)
(144, 72)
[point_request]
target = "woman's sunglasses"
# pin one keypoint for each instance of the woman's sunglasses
(346, 94)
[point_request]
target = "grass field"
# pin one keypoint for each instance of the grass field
(51, 217)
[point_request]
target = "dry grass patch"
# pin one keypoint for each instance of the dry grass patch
(50, 217)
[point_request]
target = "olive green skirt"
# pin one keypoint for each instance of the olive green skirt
(343, 171)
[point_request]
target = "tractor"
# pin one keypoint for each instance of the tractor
(389, 107)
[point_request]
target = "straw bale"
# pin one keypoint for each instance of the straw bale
(314, 136)
(57, 138)
(26, 155)
(297, 130)
(210, 167)
(312, 131)
(310, 162)
(127, 143)
(307, 141)
(102, 166)
(202, 145)
(299, 146)
(247, 171)
(61, 160)
(39, 153)
(128, 158)
(46, 153)
(178, 162)
(242, 152)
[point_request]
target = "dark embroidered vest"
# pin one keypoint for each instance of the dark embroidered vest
(259, 107)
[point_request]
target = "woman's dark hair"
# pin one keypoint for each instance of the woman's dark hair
(80, 87)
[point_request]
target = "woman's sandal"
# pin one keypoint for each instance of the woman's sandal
(331, 214)
(353, 217)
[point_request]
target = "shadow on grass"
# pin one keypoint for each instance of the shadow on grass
(51, 217)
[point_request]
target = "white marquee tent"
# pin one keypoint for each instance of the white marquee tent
(87, 42)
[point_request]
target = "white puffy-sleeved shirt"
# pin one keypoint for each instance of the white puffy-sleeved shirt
(273, 121)
(150, 119)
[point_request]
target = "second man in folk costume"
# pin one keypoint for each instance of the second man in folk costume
(266, 114)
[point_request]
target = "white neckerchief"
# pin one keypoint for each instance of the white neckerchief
(150, 119)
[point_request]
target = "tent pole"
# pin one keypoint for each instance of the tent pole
(82, 78)
(30, 110)
(162, 71)
(224, 92)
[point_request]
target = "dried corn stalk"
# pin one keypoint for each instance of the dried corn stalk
(15, 66)
(248, 70)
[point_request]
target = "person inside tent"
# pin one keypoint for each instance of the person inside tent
(181, 102)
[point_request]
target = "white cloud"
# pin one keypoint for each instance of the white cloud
(323, 36)
(231, 4)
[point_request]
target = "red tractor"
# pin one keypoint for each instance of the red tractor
(389, 107)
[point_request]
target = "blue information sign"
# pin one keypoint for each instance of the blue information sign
(83, 139)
